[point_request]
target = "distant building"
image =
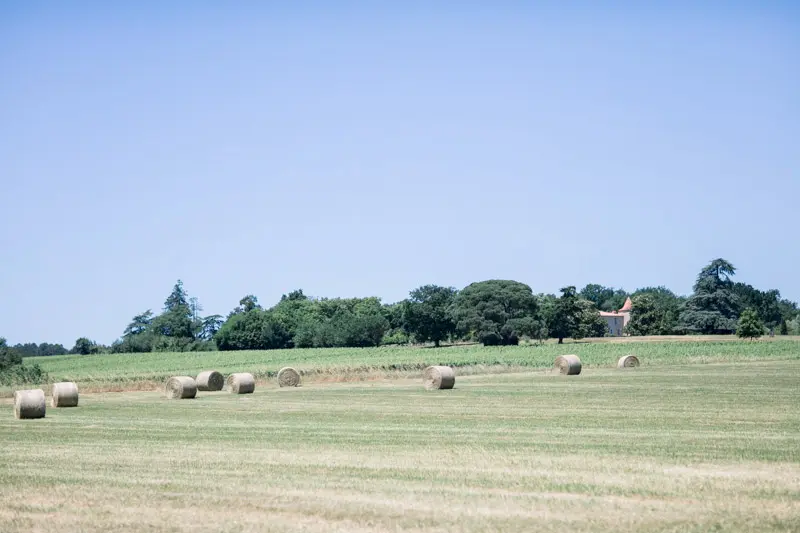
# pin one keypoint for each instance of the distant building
(617, 320)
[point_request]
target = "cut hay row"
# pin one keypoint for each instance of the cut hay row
(64, 394)
(29, 404)
(210, 380)
(288, 377)
(241, 383)
(180, 388)
(439, 377)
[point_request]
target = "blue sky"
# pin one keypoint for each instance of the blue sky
(360, 150)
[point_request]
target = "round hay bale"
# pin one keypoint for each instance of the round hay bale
(181, 387)
(569, 365)
(210, 380)
(288, 377)
(628, 361)
(439, 377)
(29, 404)
(64, 394)
(240, 383)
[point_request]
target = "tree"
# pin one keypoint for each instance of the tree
(713, 308)
(666, 308)
(496, 312)
(426, 313)
(766, 304)
(750, 326)
(12, 369)
(247, 303)
(210, 326)
(139, 324)
(564, 318)
(177, 298)
(590, 323)
(645, 318)
(253, 330)
(84, 346)
(604, 298)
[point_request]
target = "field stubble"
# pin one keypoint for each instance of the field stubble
(662, 448)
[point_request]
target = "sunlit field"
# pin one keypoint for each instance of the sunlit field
(131, 371)
(666, 447)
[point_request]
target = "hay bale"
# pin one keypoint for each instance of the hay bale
(439, 377)
(29, 404)
(64, 394)
(181, 387)
(240, 383)
(288, 377)
(569, 365)
(628, 361)
(210, 380)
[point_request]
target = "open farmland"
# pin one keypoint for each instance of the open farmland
(130, 371)
(661, 448)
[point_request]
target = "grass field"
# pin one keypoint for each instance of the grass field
(667, 447)
(124, 371)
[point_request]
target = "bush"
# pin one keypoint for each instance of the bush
(22, 374)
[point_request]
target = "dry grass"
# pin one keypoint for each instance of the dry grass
(708, 447)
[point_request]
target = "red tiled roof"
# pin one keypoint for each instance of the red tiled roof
(628, 305)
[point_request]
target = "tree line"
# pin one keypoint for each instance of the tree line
(492, 312)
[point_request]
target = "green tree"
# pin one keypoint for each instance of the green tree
(713, 307)
(590, 323)
(496, 312)
(750, 325)
(666, 310)
(645, 317)
(426, 313)
(564, 317)
(12, 369)
(210, 326)
(139, 324)
(252, 330)
(604, 298)
(765, 303)
(84, 346)
(177, 298)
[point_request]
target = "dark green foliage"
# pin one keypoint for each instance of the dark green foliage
(766, 304)
(252, 330)
(665, 312)
(177, 298)
(571, 316)
(750, 325)
(604, 298)
(645, 319)
(31, 349)
(784, 329)
(209, 326)
(139, 324)
(13, 371)
(84, 346)
(339, 322)
(714, 307)
(496, 312)
(427, 313)
(590, 323)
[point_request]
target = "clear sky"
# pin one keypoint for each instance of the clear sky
(357, 150)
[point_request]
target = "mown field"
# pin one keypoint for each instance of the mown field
(129, 371)
(666, 447)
